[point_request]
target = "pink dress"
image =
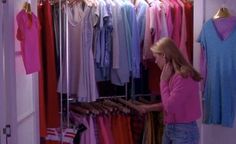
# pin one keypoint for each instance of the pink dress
(28, 35)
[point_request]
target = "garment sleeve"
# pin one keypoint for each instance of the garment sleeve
(203, 68)
(202, 62)
(19, 34)
(147, 54)
(135, 41)
(173, 99)
(202, 39)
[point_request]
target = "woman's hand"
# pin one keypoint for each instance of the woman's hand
(142, 108)
(149, 107)
(166, 72)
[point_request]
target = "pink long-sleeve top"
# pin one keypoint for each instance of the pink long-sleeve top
(180, 99)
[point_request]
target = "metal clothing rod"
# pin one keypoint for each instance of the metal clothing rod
(112, 97)
(142, 95)
(61, 70)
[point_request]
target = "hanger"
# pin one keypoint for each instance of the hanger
(136, 102)
(223, 12)
(88, 106)
(120, 107)
(27, 6)
(99, 107)
(128, 103)
(109, 108)
(79, 110)
(149, 2)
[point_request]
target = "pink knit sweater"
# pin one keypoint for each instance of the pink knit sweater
(181, 100)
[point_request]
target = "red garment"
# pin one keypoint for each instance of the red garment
(128, 129)
(117, 129)
(48, 76)
(137, 126)
(189, 23)
(42, 112)
(154, 74)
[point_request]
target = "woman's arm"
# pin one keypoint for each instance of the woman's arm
(150, 107)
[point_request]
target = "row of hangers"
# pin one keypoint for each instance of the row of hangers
(107, 106)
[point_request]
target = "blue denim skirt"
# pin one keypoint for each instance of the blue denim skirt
(181, 133)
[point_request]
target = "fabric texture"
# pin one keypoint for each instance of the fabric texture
(181, 100)
(186, 133)
(28, 35)
(48, 75)
(220, 83)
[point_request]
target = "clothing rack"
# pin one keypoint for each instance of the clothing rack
(69, 100)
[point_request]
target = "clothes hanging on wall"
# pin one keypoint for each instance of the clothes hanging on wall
(28, 35)
(218, 49)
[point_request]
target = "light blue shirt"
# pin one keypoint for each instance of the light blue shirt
(220, 84)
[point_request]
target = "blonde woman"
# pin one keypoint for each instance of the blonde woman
(179, 93)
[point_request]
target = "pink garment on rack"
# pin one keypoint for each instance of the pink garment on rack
(28, 35)
(147, 54)
(170, 26)
(107, 122)
(105, 130)
(183, 32)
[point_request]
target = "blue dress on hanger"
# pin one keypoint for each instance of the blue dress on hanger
(220, 85)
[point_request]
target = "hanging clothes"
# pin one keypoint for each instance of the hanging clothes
(42, 95)
(120, 72)
(103, 41)
(48, 75)
(220, 86)
(189, 27)
(28, 35)
(82, 82)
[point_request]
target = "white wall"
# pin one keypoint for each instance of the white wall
(26, 91)
(2, 91)
(21, 89)
(203, 10)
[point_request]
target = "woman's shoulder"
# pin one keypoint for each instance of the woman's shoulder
(179, 77)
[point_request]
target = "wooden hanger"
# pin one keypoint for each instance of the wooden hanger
(128, 103)
(143, 100)
(104, 106)
(99, 107)
(27, 7)
(79, 110)
(120, 107)
(89, 107)
(136, 102)
(223, 12)
(107, 104)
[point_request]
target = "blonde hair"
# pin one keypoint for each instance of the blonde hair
(173, 55)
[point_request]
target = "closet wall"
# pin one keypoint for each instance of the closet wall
(20, 90)
(26, 91)
(2, 98)
(204, 10)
